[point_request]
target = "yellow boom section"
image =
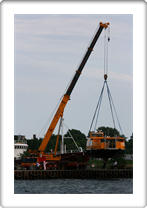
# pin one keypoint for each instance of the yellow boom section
(65, 99)
(54, 122)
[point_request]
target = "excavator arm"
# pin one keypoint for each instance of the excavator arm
(66, 97)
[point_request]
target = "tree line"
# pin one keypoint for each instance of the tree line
(79, 138)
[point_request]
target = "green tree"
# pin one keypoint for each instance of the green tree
(129, 145)
(25, 154)
(79, 138)
(109, 131)
(52, 143)
(33, 144)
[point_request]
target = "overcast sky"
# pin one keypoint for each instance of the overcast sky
(45, 51)
(48, 50)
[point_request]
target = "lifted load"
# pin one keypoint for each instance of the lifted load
(102, 146)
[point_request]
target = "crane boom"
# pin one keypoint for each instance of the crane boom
(66, 96)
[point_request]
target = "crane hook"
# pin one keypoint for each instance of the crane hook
(105, 76)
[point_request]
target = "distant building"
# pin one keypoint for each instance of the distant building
(128, 156)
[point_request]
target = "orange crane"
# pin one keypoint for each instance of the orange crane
(66, 97)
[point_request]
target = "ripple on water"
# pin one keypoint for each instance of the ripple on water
(74, 186)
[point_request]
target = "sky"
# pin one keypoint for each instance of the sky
(47, 51)
(39, 57)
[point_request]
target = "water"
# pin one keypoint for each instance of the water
(74, 186)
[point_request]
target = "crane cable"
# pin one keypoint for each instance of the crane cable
(114, 109)
(110, 104)
(105, 52)
(106, 40)
(43, 130)
(111, 107)
(105, 75)
(99, 101)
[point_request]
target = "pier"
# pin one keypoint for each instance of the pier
(72, 174)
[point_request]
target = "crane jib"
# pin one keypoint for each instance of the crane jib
(66, 96)
(84, 60)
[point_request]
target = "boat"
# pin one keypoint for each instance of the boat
(101, 146)
(20, 146)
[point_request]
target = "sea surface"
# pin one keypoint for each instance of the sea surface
(74, 186)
